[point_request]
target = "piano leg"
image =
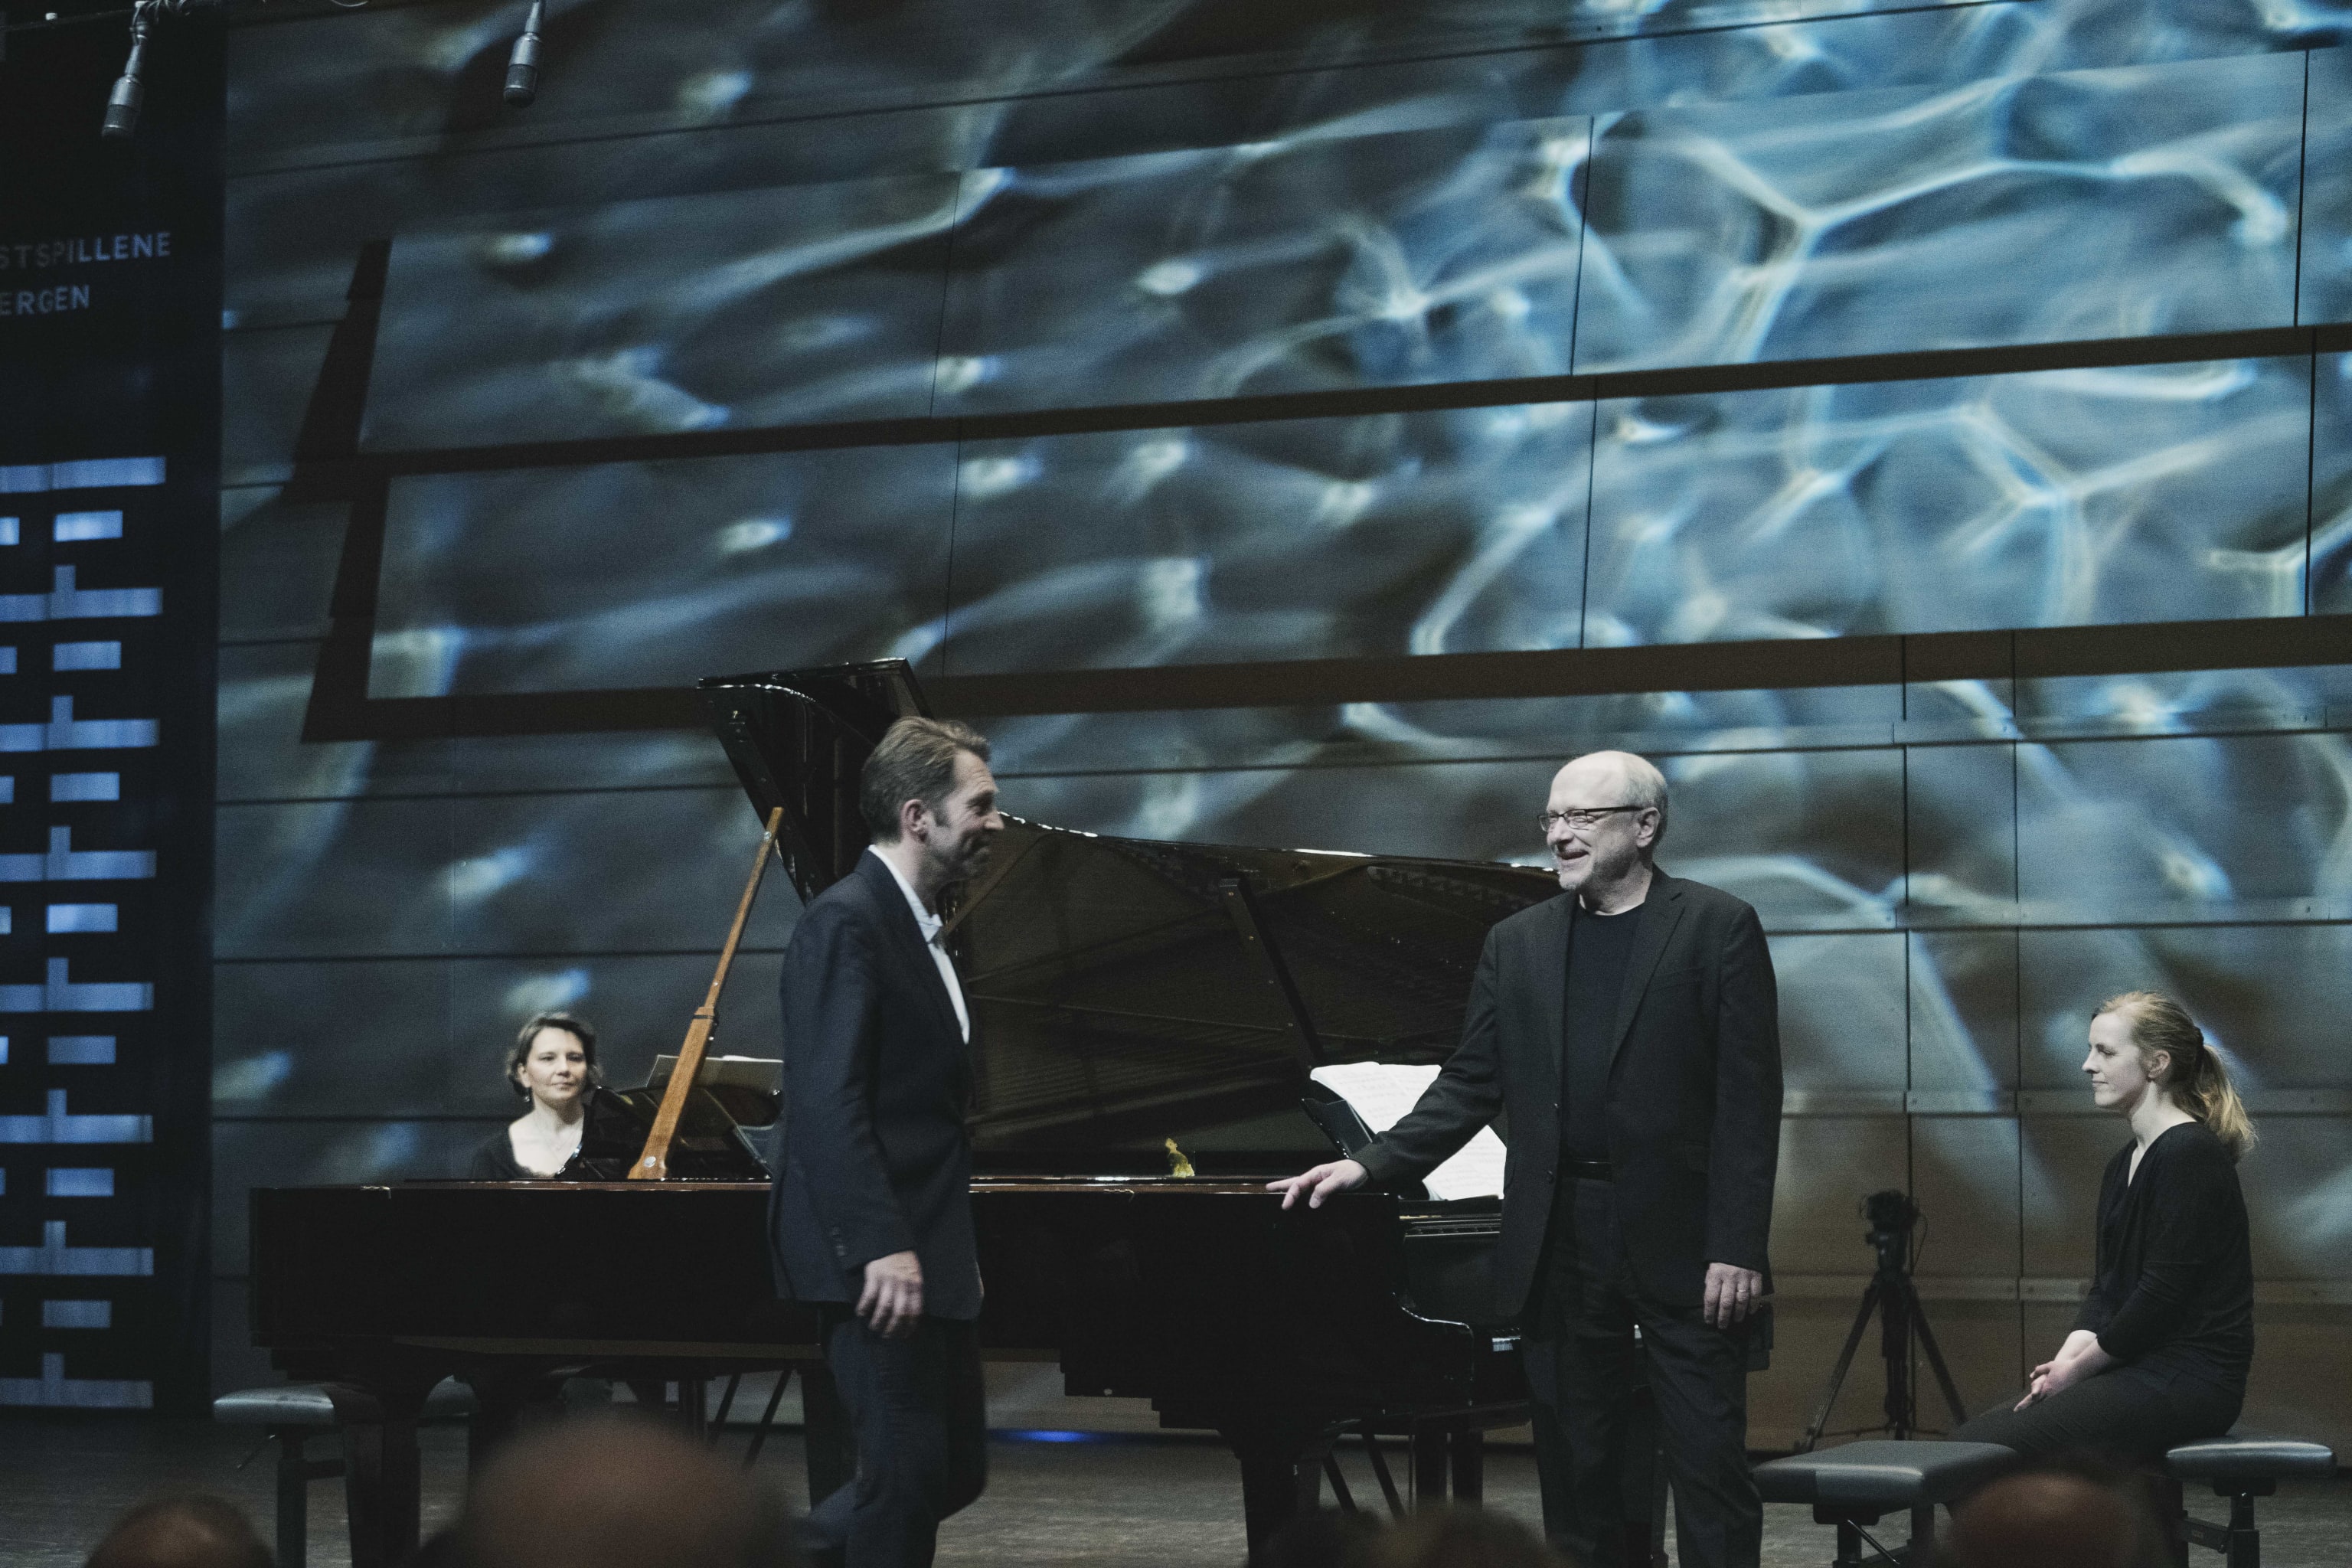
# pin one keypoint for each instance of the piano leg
(1470, 1467)
(1430, 1453)
(502, 1397)
(381, 1478)
(1281, 1469)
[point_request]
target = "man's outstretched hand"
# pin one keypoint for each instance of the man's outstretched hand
(1321, 1183)
(892, 1302)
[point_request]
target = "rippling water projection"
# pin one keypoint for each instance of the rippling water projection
(717, 223)
(2165, 197)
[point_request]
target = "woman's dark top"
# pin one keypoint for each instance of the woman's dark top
(494, 1160)
(2174, 1285)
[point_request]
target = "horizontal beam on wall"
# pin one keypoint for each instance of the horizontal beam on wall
(1782, 664)
(2006, 1103)
(2038, 653)
(2033, 1287)
(329, 465)
(322, 477)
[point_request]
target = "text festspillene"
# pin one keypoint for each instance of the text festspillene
(26, 255)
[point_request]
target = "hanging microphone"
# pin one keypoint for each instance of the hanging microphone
(129, 88)
(522, 65)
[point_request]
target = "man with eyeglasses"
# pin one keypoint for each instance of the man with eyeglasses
(1630, 1033)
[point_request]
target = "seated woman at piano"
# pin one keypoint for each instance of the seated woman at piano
(2161, 1353)
(553, 1066)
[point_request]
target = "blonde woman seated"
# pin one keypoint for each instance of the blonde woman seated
(2159, 1353)
(553, 1066)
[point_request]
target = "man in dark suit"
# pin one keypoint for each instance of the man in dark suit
(1630, 1033)
(871, 1214)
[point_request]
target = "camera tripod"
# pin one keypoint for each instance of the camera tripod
(1893, 1295)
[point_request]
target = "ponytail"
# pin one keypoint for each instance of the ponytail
(2194, 1076)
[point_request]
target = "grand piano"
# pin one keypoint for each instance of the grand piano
(1137, 1005)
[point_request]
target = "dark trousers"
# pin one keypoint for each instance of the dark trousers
(1581, 1374)
(2131, 1412)
(919, 1419)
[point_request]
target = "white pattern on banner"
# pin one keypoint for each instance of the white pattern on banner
(59, 1126)
(61, 994)
(32, 478)
(56, 1256)
(65, 602)
(64, 863)
(54, 1390)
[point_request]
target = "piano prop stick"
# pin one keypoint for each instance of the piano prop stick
(652, 1165)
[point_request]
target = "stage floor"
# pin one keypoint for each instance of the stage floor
(1172, 1503)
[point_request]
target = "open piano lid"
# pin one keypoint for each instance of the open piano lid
(1128, 990)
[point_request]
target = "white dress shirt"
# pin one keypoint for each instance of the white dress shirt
(930, 925)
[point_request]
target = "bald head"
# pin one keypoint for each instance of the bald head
(192, 1531)
(616, 1493)
(2048, 1520)
(1602, 822)
(1624, 778)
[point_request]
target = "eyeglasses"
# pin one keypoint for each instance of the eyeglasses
(1582, 819)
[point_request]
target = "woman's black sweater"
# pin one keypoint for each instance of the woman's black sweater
(494, 1160)
(2174, 1289)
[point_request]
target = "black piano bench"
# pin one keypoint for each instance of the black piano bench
(295, 1413)
(1854, 1486)
(2241, 1467)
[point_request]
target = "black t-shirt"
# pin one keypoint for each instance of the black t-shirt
(1598, 949)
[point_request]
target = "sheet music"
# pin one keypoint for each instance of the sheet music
(1382, 1092)
(765, 1074)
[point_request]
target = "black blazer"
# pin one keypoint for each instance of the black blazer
(1694, 1088)
(872, 1155)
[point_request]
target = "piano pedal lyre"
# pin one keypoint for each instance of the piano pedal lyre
(1381, 1472)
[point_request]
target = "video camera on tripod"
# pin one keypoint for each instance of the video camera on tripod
(1894, 1219)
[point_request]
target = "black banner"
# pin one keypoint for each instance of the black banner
(110, 439)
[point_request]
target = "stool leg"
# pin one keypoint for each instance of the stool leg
(2246, 1541)
(1923, 1532)
(293, 1499)
(1849, 1545)
(2171, 1509)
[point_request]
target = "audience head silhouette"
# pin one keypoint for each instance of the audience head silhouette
(1324, 1539)
(1441, 1538)
(1463, 1538)
(613, 1492)
(191, 1532)
(2055, 1517)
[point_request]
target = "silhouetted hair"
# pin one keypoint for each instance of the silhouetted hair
(576, 1027)
(1463, 1538)
(916, 760)
(2193, 1075)
(194, 1530)
(1324, 1539)
(2074, 1509)
(608, 1491)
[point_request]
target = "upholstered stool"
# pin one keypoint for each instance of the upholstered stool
(295, 1413)
(2240, 1467)
(1854, 1486)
